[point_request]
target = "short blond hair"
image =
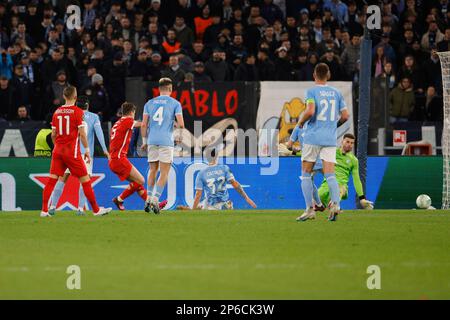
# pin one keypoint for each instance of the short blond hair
(165, 82)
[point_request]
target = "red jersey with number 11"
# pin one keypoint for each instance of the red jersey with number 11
(66, 121)
(119, 140)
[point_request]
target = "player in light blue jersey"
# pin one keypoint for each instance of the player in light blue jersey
(213, 180)
(159, 118)
(92, 125)
(325, 109)
(297, 135)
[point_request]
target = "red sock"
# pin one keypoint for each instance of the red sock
(89, 193)
(144, 194)
(47, 193)
(128, 191)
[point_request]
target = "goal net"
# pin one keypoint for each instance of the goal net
(445, 66)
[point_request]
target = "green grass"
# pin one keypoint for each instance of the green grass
(238, 255)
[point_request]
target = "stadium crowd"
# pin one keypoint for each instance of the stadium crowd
(214, 40)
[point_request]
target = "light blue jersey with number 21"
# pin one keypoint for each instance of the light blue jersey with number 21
(321, 129)
(161, 113)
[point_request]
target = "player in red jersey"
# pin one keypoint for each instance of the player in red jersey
(67, 131)
(119, 142)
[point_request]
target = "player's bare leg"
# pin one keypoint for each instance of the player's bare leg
(89, 193)
(46, 193)
(136, 185)
(57, 191)
(328, 171)
(307, 189)
(151, 182)
(159, 188)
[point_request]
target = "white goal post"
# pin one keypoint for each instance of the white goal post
(445, 66)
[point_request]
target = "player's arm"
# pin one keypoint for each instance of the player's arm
(137, 124)
(198, 197)
(237, 186)
(343, 111)
(144, 127)
(180, 122)
(84, 141)
(100, 136)
(309, 112)
(53, 134)
(366, 204)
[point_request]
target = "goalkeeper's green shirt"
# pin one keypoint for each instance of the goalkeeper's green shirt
(347, 164)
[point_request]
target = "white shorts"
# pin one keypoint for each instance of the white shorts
(311, 153)
(160, 153)
(88, 166)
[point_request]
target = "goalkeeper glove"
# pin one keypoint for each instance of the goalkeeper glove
(366, 204)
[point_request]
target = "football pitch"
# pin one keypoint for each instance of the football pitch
(226, 255)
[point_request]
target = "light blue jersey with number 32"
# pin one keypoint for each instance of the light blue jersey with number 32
(161, 112)
(213, 180)
(321, 129)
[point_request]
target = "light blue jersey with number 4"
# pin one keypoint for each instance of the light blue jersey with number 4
(321, 129)
(161, 113)
(213, 180)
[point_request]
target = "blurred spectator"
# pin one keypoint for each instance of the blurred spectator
(7, 99)
(338, 9)
(217, 68)
(410, 70)
(213, 30)
(303, 68)
(350, 55)
(98, 97)
(22, 114)
(199, 73)
(171, 45)
(202, 22)
(266, 68)
(140, 65)
(283, 66)
(184, 34)
(432, 37)
(156, 66)
(23, 86)
(402, 101)
(197, 52)
(246, 71)
(173, 70)
(55, 90)
(334, 63)
(115, 73)
(444, 45)
(270, 11)
(434, 106)
(432, 71)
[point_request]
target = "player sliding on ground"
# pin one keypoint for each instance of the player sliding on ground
(346, 164)
(67, 130)
(92, 125)
(325, 107)
(213, 180)
(120, 138)
(159, 116)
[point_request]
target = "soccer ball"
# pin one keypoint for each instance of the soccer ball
(423, 201)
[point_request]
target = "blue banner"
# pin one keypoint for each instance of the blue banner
(274, 185)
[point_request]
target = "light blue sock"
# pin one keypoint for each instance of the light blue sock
(307, 189)
(333, 186)
(316, 195)
(158, 191)
(81, 198)
(57, 193)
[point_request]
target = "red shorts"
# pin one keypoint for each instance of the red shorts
(121, 167)
(61, 162)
